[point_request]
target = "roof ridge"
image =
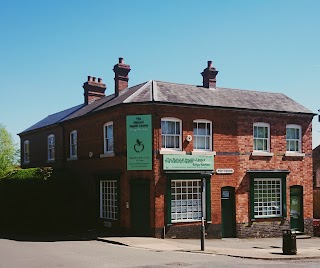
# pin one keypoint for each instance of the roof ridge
(130, 97)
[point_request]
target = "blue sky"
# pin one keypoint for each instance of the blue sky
(48, 48)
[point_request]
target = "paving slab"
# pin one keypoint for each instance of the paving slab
(255, 248)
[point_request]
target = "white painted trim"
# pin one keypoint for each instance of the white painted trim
(261, 153)
(70, 145)
(211, 133)
(295, 154)
(204, 152)
(72, 158)
(110, 154)
(173, 119)
(167, 151)
(110, 123)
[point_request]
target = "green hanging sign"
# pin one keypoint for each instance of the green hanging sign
(139, 142)
(187, 162)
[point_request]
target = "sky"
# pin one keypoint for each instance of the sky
(48, 48)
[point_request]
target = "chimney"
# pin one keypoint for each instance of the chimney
(209, 76)
(121, 78)
(93, 90)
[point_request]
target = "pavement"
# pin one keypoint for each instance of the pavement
(252, 248)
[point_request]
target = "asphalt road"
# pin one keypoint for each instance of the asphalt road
(49, 253)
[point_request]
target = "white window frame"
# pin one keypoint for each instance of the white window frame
(51, 147)
(184, 209)
(293, 126)
(164, 136)
(195, 136)
(26, 151)
(109, 199)
(72, 133)
(107, 139)
(261, 124)
(263, 197)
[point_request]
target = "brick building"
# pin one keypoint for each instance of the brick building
(157, 157)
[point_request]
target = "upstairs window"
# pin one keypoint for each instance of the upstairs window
(108, 137)
(51, 147)
(261, 137)
(26, 151)
(293, 138)
(73, 144)
(202, 134)
(171, 133)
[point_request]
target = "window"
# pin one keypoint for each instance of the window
(293, 138)
(267, 197)
(51, 147)
(185, 200)
(261, 137)
(171, 133)
(202, 134)
(268, 194)
(108, 199)
(73, 144)
(108, 137)
(26, 152)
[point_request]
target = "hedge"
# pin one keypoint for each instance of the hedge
(39, 200)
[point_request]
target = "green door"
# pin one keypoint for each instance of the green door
(228, 216)
(296, 208)
(140, 207)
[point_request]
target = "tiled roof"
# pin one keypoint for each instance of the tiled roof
(165, 92)
(54, 118)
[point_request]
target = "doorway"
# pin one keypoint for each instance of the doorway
(296, 208)
(140, 207)
(228, 212)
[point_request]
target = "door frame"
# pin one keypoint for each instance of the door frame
(232, 198)
(133, 183)
(297, 190)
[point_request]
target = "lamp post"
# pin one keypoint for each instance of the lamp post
(203, 209)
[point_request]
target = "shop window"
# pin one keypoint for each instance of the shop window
(293, 138)
(268, 196)
(185, 202)
(108, 200)
(51, 147)
(108, 137)
(73, 144)
(202, 134)
(261, 137)
(171, 130)
(26, 151)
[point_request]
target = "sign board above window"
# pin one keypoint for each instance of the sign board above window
(188, 162)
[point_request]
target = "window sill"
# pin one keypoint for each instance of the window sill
(258, 153)
(72, 158)
(51, 160)
(111, 154)
(295, 154)
(204, 153)
(166, 151)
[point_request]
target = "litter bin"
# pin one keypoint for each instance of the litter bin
(289, 243)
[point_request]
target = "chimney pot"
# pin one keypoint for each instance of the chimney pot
(89, 78)
(121, 77)
(99, 80)
(209, 76)
(93, 79)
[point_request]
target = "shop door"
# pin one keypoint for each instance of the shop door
(228, 217)
(296, 208)
(140, 207)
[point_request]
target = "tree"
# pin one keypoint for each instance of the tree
(8, 152)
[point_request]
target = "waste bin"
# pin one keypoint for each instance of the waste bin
(289, 243)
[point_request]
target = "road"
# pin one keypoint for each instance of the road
(69, 253)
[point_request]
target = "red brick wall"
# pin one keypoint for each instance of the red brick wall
(232, 141)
